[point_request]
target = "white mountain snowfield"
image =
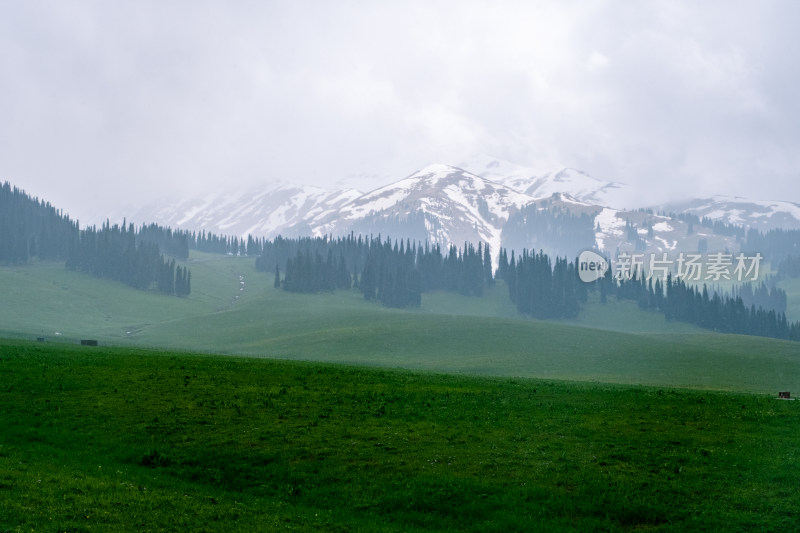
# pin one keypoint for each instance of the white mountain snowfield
(453, 205)
(607, 225)
(543, 184)
(457, 206)
(761, 215)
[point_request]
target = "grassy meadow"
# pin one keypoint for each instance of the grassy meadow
(122, 439)
(246, 408)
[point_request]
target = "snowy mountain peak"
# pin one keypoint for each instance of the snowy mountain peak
(435, 171)
(439, 203)
(543, 184)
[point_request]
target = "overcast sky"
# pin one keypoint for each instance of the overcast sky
(141, 99)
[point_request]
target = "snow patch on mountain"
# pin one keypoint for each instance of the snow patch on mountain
(759, 214)
(607, 224)
(662, 226)
(667, 245)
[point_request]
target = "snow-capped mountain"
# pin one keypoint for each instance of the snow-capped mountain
(643, 231)
(543, 184)
(439, 203)
(263, 211)
(502, 204)
(561, 225)
(761, 215)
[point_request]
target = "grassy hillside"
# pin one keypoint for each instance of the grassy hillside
(45, 299)
(615, 343)
(102, 439)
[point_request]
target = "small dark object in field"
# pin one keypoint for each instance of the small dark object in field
(88, 342)
(784, 395)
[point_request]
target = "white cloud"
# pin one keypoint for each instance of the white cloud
(596, 61)
(137, 99)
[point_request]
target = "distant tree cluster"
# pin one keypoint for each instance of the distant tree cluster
(396, 273)
(556, 231)
(113, 252)
(174, 243)
(178, 243)
(393, 273)
(310, 273)
(716, 226)
(766, 296)
(540, 289)
(30, 228)
(711, 310)
(789, 267)
(775, 245)
(278, 251)
(721, 228)
(208, 242)
(633, 237)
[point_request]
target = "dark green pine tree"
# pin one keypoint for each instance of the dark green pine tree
(487, 266)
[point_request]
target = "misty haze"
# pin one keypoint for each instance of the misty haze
(413, 266)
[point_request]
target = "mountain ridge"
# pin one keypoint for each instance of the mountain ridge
(448, 205)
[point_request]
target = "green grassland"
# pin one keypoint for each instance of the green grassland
(124, 439)
(496, 423)
(45, 299)
(613, 343)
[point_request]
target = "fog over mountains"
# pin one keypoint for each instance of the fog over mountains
(483, 199)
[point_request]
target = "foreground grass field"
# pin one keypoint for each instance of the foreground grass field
(101, 439)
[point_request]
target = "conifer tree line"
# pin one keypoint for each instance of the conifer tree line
(173, 243)
(394, 273)
(307, 273)
(789, 267)
(178, 243)
(764, 295)
(279, 250)
(774, 245)
(391, 276)
(706, 309)
(114, 252)
(203, 241)
(541, 289)
(30, 228)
